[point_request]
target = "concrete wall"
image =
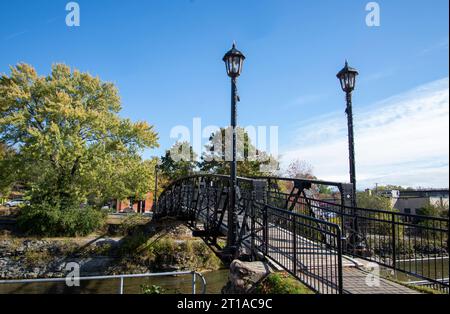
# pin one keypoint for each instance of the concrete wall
(416, 203)
(413, 204)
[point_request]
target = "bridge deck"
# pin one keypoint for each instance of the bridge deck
(314, 261)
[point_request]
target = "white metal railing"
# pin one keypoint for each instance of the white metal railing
(194, 275)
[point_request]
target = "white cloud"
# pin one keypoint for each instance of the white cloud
(303, 100)
(401, 140)
(443, 44)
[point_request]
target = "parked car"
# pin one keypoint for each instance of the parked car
(16, 203)
(128, 210)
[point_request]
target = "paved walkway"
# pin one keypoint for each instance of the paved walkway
(317, 266)
(355, 283)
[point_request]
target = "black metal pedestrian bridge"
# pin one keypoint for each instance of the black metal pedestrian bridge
(319, 239)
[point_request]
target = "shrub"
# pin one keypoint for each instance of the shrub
(81, 221)
(39, 219)
(146, 289)
(46, 220)
(383, 247)
(432, 247)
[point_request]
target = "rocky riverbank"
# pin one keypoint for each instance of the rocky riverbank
(167, 246)
(164, 246)
(34, 258)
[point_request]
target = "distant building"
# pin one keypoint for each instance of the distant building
(411, 201)
(137, 206)
(393, 196)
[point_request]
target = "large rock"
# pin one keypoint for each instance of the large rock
(244, 276)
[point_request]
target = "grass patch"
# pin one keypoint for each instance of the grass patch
(222, 243)
(420, 289)
(425, 290)
(282, 283)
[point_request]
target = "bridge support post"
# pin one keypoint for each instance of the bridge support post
(265, 230)
(394, 248)
(294, 243)
(259, 198)
(350, 224)
(253, 230)
(347, 216)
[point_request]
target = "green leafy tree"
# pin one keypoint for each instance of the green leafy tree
(373, 201)
(178, 162)
(380, 222)
(251, 161)
(433, 210)
(390, 187)
(70, 142)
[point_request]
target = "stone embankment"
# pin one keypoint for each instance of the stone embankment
(31, 258)
(155, 247)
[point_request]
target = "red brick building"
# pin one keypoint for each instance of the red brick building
(130, 205)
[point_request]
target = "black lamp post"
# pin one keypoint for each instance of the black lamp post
(155, 197)
(347, 77)
(234, 60)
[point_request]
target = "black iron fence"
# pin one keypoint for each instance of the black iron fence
(299, 227)
(307, 248)
(417, 246)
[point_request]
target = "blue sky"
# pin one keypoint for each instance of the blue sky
(165, 58)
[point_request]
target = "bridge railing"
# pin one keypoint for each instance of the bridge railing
(43, 284)
(412, 244)
(307, 248)
(305, 197)
(417, 246)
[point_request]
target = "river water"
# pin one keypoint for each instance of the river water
(435, 269)
(183, 284)
(170, 284)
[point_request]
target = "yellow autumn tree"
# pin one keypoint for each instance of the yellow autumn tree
(69, 142)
